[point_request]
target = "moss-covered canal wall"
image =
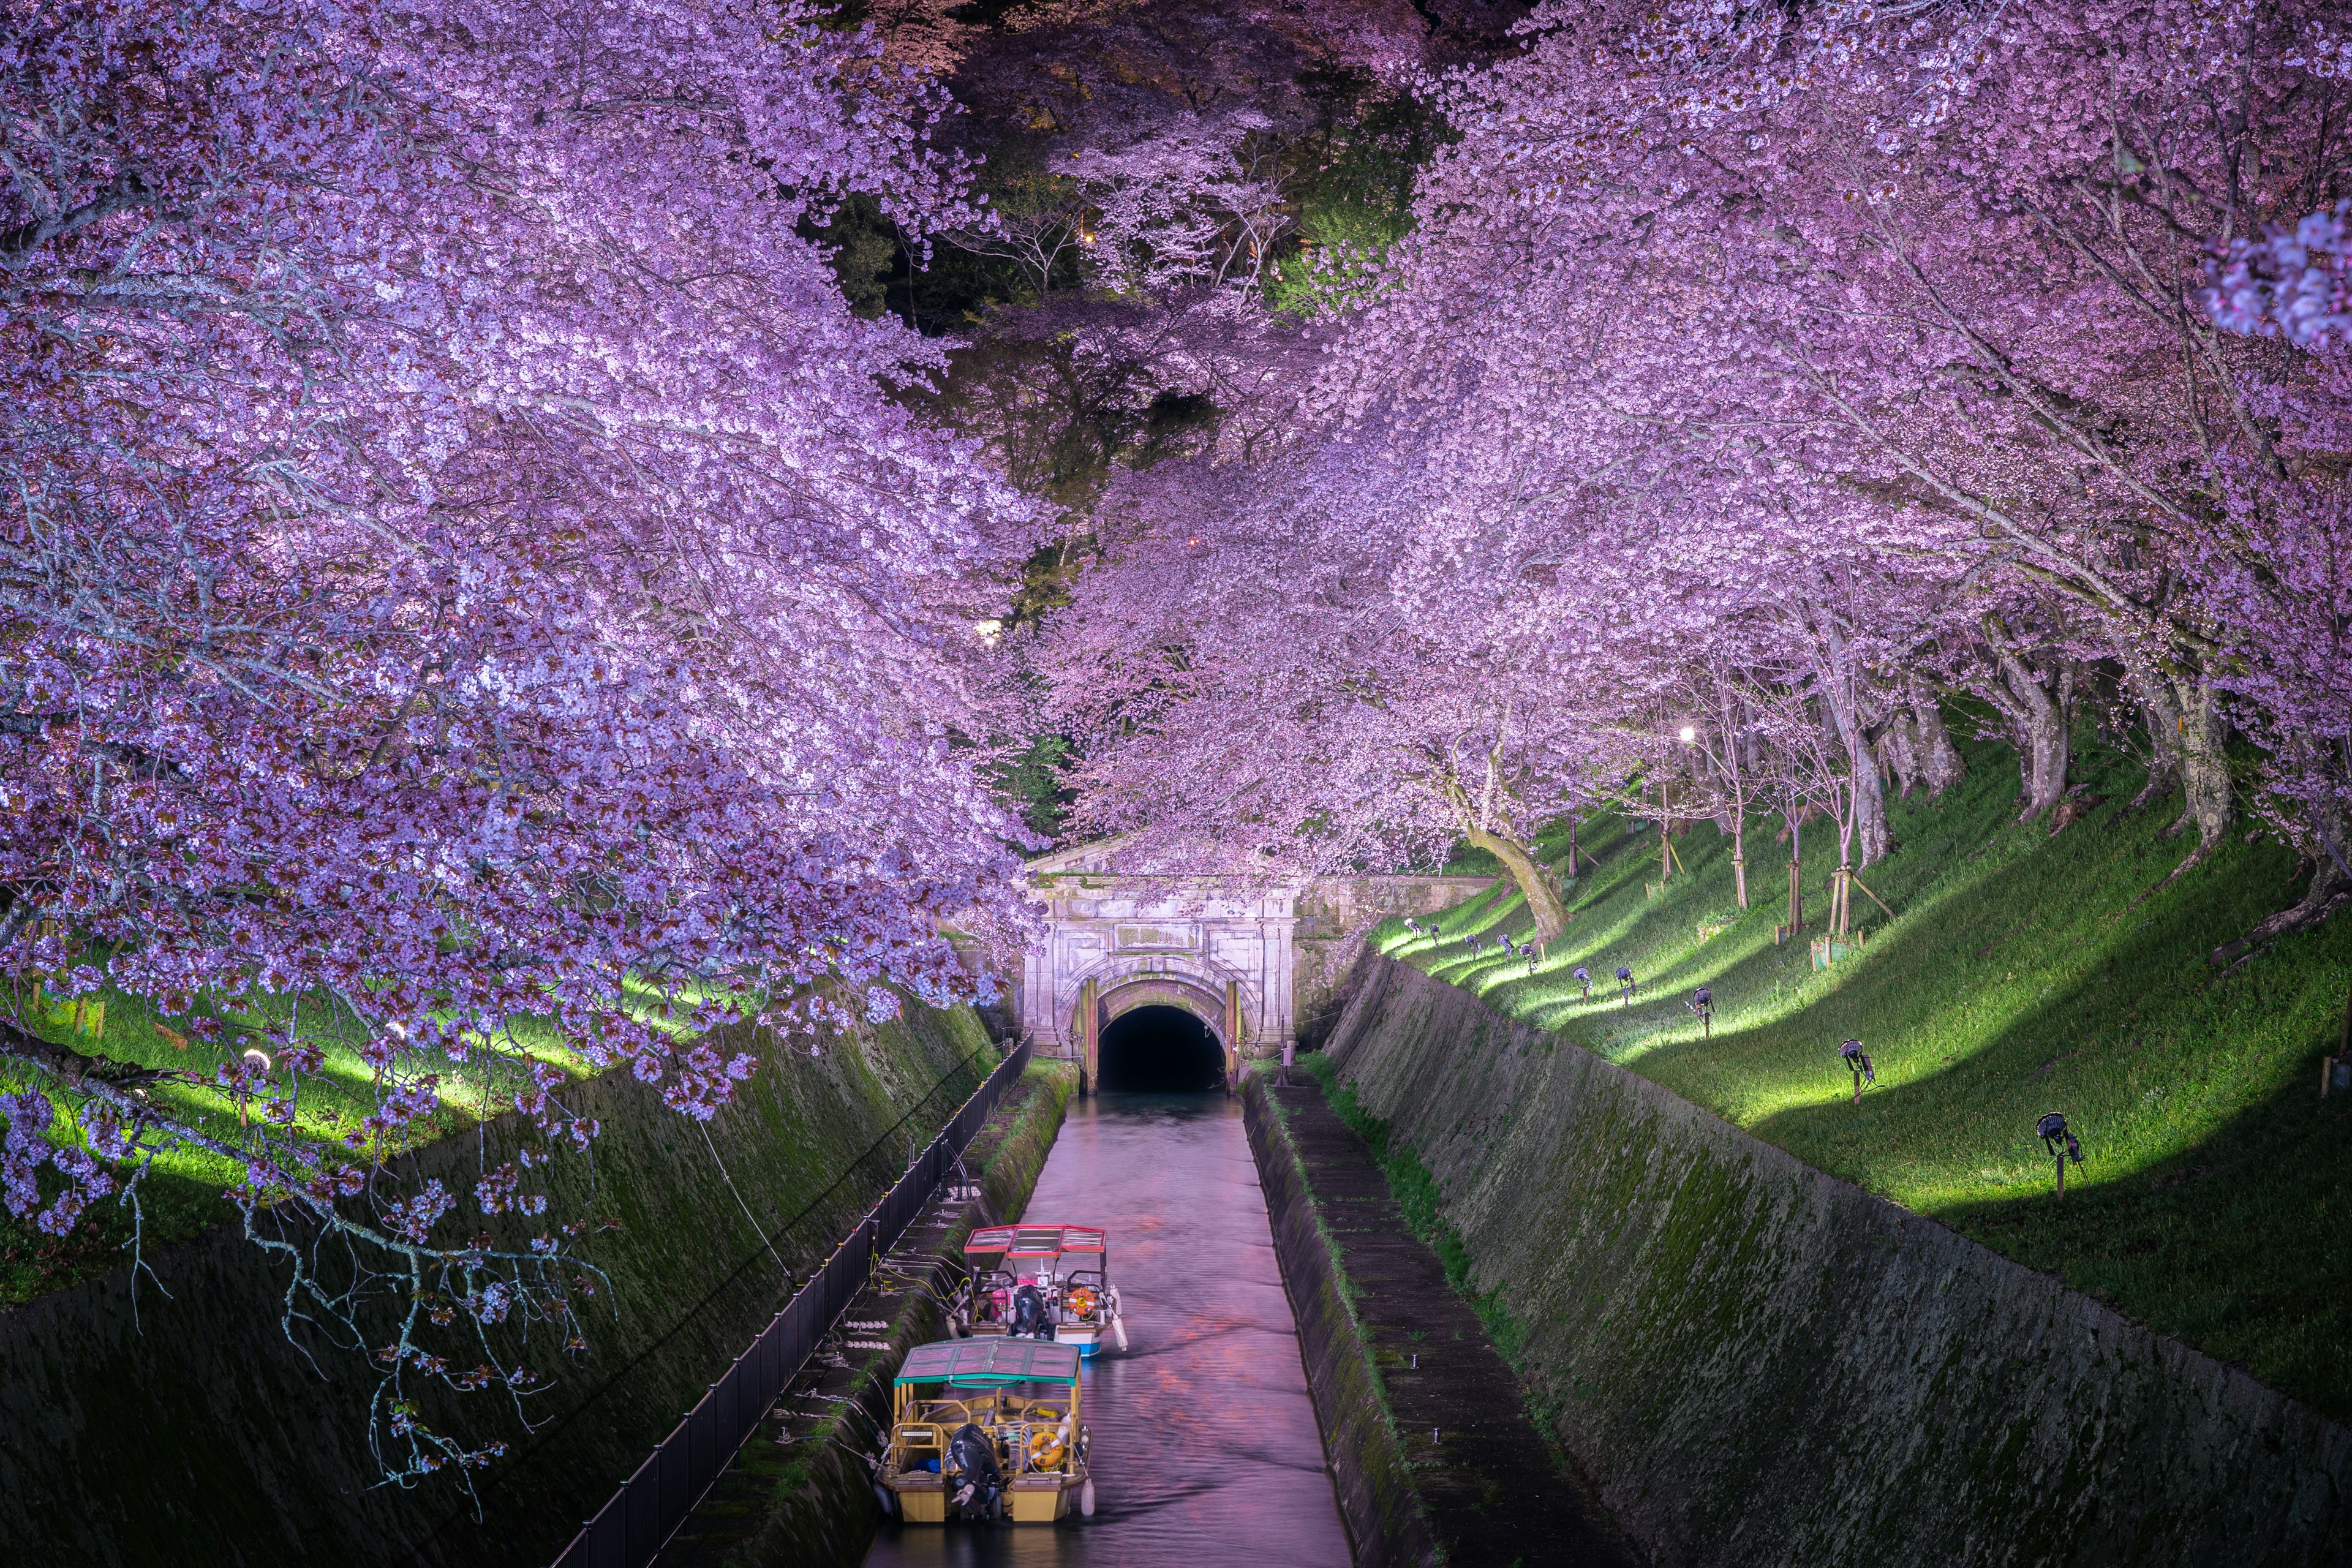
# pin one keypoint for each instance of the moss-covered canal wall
(1370, 1474)
(799, 1494)
(199, 1435)
(1760, 1364)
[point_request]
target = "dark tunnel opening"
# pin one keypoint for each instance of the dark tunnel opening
(1160, 1050)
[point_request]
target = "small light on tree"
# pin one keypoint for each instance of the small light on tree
(1690, 733)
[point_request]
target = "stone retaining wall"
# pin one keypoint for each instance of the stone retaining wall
(1760, 1364)
(800, 1493)
(197, 1436)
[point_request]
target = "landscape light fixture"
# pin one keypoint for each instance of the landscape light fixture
(1625, 984)
(1857, 1061)
(258, 1060)
(1702, 1003)
(1584, 977)
(2061, 1144)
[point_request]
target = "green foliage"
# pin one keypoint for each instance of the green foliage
(2025, 974)
(863, 247)
(1031, 785)
(1354, 183)
(1059, 412)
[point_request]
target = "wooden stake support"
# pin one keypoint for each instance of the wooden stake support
(1089, 1037)
(1873, 896)
(1232, 1035)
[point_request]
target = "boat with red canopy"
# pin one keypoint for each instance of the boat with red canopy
(1041, 1281)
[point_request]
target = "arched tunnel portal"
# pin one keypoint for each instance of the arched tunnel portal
(1161, 1034)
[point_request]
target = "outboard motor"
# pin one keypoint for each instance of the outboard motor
(978, 1482)
(1029, 1316)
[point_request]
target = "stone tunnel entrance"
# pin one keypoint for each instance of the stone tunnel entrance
(1160, 1049)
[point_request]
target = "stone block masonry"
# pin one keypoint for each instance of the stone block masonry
(1433, 1449)
(197, 1436)
(1760, 1364)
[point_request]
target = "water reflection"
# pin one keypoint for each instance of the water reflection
(1205, 1449)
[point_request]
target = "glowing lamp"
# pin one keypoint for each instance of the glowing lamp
(1690, 734)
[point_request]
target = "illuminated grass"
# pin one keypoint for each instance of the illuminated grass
(2024, 973)
(182, 1193)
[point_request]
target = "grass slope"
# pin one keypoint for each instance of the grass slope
(2023, 973)
(182, 1193)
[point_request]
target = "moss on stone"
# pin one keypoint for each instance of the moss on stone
(1761, 1364)
(257, 1452)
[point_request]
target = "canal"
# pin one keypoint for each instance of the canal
(1205, 1447)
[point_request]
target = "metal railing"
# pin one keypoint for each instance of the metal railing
(639, 1521)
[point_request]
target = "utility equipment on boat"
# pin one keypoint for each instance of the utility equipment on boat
(987, 1428)
(1041, 1281)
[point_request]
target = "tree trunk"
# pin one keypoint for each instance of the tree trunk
(2155, 709)
(2040, 719)
(1665, 841)
(2330, 889)
(1898, 750)
(2327, 892)
(1543, 902)
(1739, 848)
(1940, 759)
(1869, 799)
(2184, 720)
(2204, 764)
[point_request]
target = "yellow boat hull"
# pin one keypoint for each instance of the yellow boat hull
(1033, 1498)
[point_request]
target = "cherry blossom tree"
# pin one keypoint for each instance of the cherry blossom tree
(1862, 341)
(464, 565)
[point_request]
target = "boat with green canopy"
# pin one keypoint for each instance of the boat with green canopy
(987, 1428)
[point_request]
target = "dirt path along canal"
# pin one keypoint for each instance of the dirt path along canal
(1205, 1447)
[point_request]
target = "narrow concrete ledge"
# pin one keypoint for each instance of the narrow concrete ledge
(1386, 1524)
(1485, 1485)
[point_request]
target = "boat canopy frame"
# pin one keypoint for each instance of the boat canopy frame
(1036, 1241)
(993, 1362)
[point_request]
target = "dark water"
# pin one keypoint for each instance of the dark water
(1205, 1449)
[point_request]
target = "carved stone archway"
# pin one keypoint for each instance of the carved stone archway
(1250, 959)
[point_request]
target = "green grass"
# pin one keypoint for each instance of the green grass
(182, 1193)
(2023, 973)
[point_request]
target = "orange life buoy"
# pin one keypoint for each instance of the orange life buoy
(1082, 1301)
(1047, 1449)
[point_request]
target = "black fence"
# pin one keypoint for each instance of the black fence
(651, 1504)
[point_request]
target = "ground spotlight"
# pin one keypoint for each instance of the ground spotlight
(1857, 1061)
(2061, 1144)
